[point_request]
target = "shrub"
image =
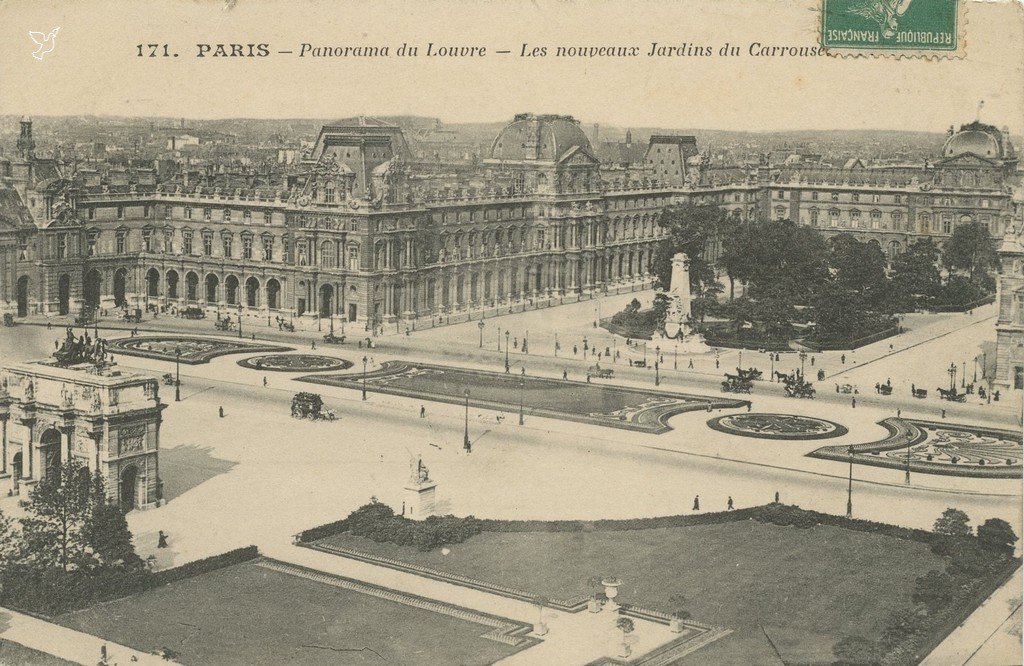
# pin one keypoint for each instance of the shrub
(378, 522)
(953, 522)
(997, 535)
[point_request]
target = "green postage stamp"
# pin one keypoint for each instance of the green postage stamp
(916, 28)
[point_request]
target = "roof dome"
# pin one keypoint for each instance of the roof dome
(545, 137)
(977, 139)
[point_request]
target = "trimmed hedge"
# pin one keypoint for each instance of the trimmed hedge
(205, 565)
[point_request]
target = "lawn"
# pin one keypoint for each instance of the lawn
(249, 614)
(16, 654)
(576, 400)
(806, 588)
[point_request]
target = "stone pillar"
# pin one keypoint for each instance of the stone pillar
(3, 444)
(66, 452)
(27, 451)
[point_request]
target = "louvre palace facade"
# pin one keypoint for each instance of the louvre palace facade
(358, 233)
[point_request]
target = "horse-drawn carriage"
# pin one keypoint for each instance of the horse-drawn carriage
(737, 384)
(223, 324)
(885, 389)
(168, 379)
(193, 312)
(796, 386)
(311, 406)
(288, 326)
(133, 316)
(753, 374)
(332, 339)
(951, 395)
(600, 373)
(920, 393)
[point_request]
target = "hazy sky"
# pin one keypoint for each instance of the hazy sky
(94, 68)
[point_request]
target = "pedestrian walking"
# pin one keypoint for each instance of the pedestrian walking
(812, 361)
(696, 503)
(313, 345)
(588, 377)
(843, 359)
(508, 370)
(565, 375)
(943, 413)
(161, 539)
(716, 364)
(729, 506)
(574, 350)
(776, 496)
(749, 405)
(522, 370)
(264, 381)
(690, 365)
(899, 413)
(220, 411)
(423, 412)
(853, 402)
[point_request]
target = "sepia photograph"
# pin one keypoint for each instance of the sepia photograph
(545, 332)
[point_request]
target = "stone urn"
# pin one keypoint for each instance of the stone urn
(611, 590)
(675, 625)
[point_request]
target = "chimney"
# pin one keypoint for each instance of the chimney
(26, 144)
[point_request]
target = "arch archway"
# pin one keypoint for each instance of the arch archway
(172, 284)
(64, 294)
(49, 450)
(120, 287)
(91, 288)
(191, 287)
(23, 284)
(212, 284)
(16, 469)
(326, 300)
(128, 487)
(152, 283)
(252, 292)
(273, 294)
(231, 290)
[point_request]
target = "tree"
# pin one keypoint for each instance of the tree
(970, 248)
(840, 312)
(108, 538)
(859, 267)
(58, 509)
(690, 228)
(10, 543)
(915, 275)
(953, 522)
(996, 534)
(626, 626)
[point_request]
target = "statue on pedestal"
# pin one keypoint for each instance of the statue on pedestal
(677, 320)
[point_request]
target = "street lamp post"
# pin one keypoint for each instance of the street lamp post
(364, 378)
(506, 351)
(771, 355)
(849, 490)
(466, 444)
(177, 374)
(803, 357)
(239, 320)
(975, 381)
(907, 478)
(481, 327)
(522, 389)
(952, 376)
(657, 366)
(675, 357)
(984, 364)
(963, 376)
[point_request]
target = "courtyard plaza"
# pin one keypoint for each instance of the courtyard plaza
(256, 462)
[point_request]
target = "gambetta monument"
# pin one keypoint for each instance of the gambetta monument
(677, 321)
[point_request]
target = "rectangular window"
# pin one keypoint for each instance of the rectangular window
(62, 246)
(207, 214)
(247, 217)
(208, 244)
(247, 247)
(268, 249)
(814, 196)
(186, 241)
(147, 240)
(120, 242)
(120, 212)
(188, 213)
(227, 246)
(266, 217)
(227, 214)
(92, 213)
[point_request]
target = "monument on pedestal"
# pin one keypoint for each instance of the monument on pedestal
(677, 321)
(420, 492)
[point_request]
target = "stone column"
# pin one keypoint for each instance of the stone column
(69, 433)
(27, 450)
(3, 444)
